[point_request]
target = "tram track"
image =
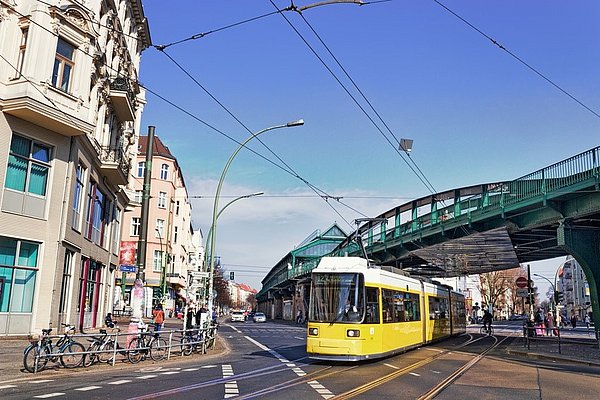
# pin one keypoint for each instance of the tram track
(433, 392)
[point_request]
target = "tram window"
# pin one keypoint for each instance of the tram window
(438, 308)
(372, 314)
(400, 306)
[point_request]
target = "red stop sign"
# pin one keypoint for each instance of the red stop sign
(521, 282)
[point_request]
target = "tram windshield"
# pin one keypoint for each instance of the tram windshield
(337, 298)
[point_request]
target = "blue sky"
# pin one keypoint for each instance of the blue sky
(475, 113)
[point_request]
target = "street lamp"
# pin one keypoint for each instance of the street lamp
(213, 227)
(209, 234)
(553, 289)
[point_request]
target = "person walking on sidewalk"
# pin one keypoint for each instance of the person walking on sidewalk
(158, 316)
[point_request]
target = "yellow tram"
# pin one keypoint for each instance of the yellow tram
(359, 311)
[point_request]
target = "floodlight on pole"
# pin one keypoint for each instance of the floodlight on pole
(213, 227)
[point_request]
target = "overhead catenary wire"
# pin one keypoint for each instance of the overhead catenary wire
(519, 59)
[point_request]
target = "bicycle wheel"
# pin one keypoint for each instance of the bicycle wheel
(91, 358)
(70, 360)
(134, 351)
(31, 353)
(186, 347)
(108, 352)
(158, 348)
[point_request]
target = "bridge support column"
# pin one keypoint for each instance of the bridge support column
(584, 245)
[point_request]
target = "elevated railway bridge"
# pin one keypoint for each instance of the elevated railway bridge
(552, 212)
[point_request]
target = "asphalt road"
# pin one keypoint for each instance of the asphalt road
(269, 361)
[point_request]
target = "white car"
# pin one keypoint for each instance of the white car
(260, 317)
(237, 316)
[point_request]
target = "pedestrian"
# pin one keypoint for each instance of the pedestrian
(299, 317)
(587, 321)
(573, 320)
(550, 325)
(158, 317)
(189, 320)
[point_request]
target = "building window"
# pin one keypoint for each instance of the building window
(164, 172)
(97, 214)
(157, 261)
(162, 200)
(175, 234)
(63, 65)
(140, 169)
(65, 288)
(22, 48)
(177, 208)
(160, 225)
(135, 226)
(89, 285)
(18, 272)
(28, 166)
(139, 195)
(80, 174)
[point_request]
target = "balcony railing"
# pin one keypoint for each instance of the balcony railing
(115, 163)
(123, 99)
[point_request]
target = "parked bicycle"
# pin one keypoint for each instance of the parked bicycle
(101, 348)
(193, 340)
(41, 350)
(146, 344)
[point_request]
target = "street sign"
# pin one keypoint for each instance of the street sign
(522, 292)
(127, 268)
(521, 282)
(199, 274)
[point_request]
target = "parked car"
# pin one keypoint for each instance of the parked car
(260, 317)
(237, 316)
(517, 317)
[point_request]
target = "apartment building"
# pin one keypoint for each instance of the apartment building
(70, 113)
(170, 248)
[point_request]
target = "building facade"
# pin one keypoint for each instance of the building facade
(575, 290)
(171, 252)
(70, 109)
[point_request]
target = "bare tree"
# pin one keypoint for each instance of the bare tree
(222, 288)
(496, 288)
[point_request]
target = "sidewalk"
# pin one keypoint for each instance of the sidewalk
(11, 356)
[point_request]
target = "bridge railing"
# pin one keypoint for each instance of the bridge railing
(543, 183)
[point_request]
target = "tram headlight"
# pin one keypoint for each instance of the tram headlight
(313, 331)
(353, 333)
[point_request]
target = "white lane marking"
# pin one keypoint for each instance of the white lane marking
(208, 366)
(122, 381)
(85, 389)
(7, 386)
(391, 366)
(42, 381)
(190, 369)
(47, 396)
(414, 374)
(299, 338)
(265, 348)
(322, 390)
(147, 376)
(436, 372)
(170, 372)
(231, 387)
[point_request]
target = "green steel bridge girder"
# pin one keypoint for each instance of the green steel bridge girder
(584, 245)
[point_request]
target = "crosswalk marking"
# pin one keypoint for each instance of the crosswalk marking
(7, 386)
(231, 387)
(47, 396)
(122, 381)
(85, 389)
(147, 376)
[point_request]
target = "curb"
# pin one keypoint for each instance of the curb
(551, 357)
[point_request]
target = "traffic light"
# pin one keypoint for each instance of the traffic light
(231, 276)
(558, 297)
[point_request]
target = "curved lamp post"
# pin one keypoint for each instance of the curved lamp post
(213, 227)
(209, 234)
(553, 290)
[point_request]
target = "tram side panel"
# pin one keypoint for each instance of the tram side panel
(459, 314)
(438, 312)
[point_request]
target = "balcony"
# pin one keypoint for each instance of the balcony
(114, 164)
(123, 99)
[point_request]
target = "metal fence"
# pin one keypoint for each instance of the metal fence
(181, 342)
